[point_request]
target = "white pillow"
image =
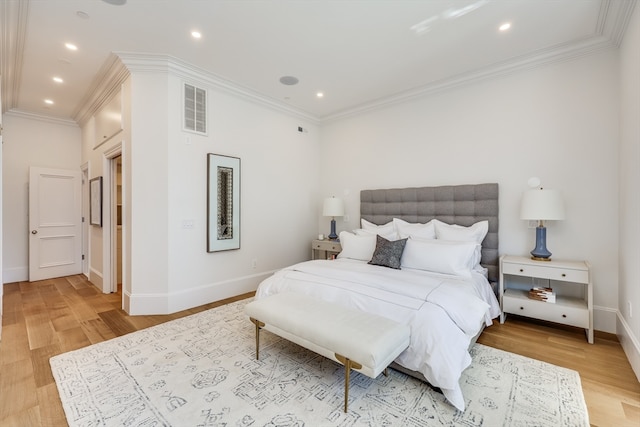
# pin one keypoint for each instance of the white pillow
(440, 256)
(387, 230)
(474, 233)
(406, 229)
(357, 247)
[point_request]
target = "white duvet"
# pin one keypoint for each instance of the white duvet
(444, 312)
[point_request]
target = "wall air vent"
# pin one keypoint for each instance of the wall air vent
(195, 109)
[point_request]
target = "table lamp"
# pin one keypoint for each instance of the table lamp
(541, 205)
(333, 207)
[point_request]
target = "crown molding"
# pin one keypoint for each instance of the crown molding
(14, 17)
(47, 119)
(159, 63)
(502, 69)
(621, 15)
(611, 25)
(107, 82)
(612, 21)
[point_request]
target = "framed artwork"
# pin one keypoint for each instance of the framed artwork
(223, 203)
(95, 201)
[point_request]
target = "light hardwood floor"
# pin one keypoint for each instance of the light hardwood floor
(42, 319)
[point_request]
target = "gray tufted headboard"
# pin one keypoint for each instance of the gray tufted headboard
(453, 204)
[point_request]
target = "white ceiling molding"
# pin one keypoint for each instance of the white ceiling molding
(154, 63)
(539, 59)
(612, 23)
(14, 17)
(48, 119)
(620, 21)
(108, 80)
(30, 25)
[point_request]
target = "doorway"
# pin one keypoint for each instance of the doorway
(117, 164)
(113, 226)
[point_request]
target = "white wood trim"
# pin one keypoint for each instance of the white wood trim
(108, 230)
(172, 302)
(630, 344)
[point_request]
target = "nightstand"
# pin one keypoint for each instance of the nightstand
(570, 280)
(325, 249)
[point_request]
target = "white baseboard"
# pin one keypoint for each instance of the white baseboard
(95, 277)
(604, 319)
(630, 344)
(16, 274)
(166, 303)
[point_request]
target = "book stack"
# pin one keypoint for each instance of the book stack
(543, 294)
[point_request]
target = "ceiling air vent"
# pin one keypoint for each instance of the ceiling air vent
(195, 109)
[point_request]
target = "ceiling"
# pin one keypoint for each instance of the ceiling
(359, 54)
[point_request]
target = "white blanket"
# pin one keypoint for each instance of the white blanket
(444, 312)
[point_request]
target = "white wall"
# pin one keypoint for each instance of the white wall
(93, 154)
(164, 184)
(558, 122)
(29, 141)
(279, 204)
(147, 168)
(629, 231)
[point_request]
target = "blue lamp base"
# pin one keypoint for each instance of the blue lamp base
(333, 235)
(540, 252)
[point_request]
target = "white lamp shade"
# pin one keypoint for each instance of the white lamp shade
(333, 207)
(542, 204)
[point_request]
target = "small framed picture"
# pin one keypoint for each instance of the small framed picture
(95, 201)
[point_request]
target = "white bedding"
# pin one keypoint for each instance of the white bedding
(444, 312)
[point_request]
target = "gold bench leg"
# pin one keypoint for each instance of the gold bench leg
(347, 376)
(259, 325)
(348, 365)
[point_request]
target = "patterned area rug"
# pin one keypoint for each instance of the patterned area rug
(201, 371)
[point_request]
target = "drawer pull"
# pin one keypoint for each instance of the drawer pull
(521, 270)
(521, 308)
(564, 275)
(564, 315)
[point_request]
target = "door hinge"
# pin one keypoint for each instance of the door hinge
(82, 219)
(83, 257)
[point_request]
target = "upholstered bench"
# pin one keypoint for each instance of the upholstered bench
(365, 342)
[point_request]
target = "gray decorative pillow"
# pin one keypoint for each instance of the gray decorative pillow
(388, 253)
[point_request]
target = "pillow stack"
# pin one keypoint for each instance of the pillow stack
(435, 246)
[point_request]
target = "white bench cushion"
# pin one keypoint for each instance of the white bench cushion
(327, 328)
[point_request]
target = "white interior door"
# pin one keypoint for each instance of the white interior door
(55, 223)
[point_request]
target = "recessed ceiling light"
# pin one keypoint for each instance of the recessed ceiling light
(71, 46)
(505, 26)
(319, 94)
(81, 14)
(115, 2)
(48, 101)
(289, 80)
(58, 80)
(196, 34)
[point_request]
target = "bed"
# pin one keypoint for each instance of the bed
(424, 257)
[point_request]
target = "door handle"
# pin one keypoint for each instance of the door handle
(34, 231)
